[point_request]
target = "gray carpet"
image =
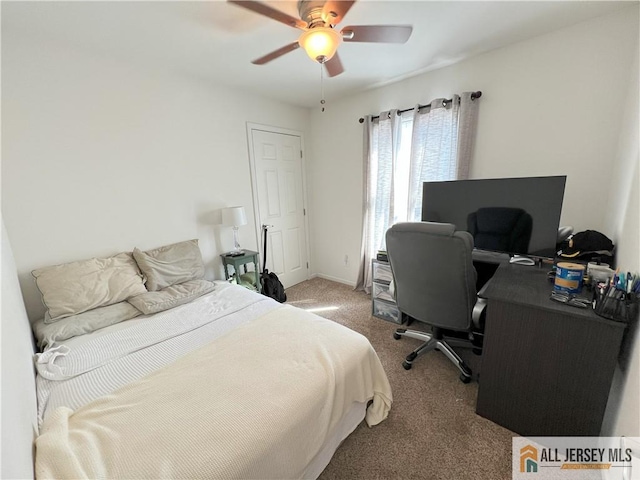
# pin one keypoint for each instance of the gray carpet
(432, 431)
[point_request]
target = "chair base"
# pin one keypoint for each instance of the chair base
(433, 341)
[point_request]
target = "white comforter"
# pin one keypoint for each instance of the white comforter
(278, 383)
(115, 356)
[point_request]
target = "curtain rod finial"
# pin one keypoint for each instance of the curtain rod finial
(361, 120)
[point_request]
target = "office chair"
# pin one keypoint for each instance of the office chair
(435, 283)
(503, 229)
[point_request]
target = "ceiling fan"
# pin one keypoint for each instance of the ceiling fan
(319, 37)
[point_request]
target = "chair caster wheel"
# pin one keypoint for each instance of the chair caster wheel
(406, 365)
(464, 378)
(397, 336)
(411, 357)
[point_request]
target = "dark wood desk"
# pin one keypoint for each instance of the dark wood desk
(546, 367)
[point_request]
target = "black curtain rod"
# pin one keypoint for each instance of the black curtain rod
(474, 95)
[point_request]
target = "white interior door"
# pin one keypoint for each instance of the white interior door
(279, 200)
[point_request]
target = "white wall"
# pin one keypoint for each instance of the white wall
(100, 157)
(550, 105)
(18, 418)
(623, 409)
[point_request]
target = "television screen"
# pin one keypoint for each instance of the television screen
(508, 215)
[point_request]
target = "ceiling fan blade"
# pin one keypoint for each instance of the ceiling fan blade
(334, 66)
(276, 53)
(377, 33)
(267, 11)
(335, 10)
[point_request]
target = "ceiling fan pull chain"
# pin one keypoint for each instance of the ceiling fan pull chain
(322, 102)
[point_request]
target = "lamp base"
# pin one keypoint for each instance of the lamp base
(237, 251)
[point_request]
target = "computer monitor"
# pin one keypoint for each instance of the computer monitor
(515, 216)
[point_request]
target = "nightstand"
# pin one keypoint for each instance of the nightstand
(237, 262)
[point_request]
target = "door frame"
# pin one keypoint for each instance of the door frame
(254, 184)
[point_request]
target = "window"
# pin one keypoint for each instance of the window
(403, 168)
(403, 152)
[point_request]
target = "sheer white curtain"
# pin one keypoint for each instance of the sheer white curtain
(441, 145)
(467, 126)
(381, 145)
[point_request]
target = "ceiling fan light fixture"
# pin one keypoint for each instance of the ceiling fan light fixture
(320, 43)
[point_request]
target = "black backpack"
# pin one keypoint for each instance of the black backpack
(271, 285)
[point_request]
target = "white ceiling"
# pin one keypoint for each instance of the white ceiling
(215, 40)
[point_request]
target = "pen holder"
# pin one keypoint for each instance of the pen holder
(617, 305)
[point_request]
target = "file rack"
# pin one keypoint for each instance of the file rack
(383, 304)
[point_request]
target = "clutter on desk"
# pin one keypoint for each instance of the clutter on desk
(588, 246)
(598, 273)
(569, 277)
(571, 299)
(619, 298)
(612, 294)
(564, 233)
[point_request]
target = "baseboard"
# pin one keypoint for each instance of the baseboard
(334, 279)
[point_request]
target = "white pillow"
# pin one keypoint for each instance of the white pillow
(77, 287)
(170, 264)
(82, 323)
(169, 297)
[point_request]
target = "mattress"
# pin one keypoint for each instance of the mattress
(222, 331)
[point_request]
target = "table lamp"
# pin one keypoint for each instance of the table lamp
(234, 217)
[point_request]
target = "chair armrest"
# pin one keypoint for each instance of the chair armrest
(480, 306)
(477, 312)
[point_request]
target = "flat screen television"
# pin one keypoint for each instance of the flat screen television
(515, 216)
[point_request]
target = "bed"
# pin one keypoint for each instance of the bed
(229, 384)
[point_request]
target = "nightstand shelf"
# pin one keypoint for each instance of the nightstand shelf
(237, 262)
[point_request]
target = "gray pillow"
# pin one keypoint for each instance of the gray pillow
(82, 323)
(170, 264)
(169, 297)
(77, 287)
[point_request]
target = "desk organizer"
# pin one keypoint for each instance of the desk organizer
(617, 305)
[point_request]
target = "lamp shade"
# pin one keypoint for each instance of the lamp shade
(234, 216)
(320, 43)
